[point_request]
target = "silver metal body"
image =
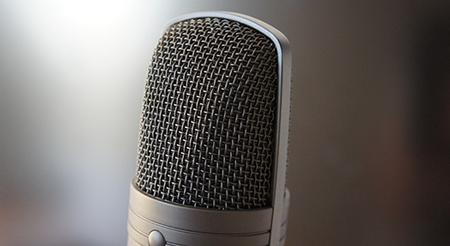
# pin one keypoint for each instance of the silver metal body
(181, 225)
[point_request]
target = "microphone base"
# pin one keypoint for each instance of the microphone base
(182, 225)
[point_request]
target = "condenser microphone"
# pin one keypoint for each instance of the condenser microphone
(213, 139)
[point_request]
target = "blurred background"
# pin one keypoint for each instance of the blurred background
(370, 143)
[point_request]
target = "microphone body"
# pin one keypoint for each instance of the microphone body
(213, 140)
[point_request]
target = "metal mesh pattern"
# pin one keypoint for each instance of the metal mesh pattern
(207, 131)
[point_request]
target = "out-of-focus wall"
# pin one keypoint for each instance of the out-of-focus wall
(370, 79)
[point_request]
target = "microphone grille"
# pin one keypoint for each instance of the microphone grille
(207, 132)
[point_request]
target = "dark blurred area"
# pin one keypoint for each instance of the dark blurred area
(370, 126)
(431, 130)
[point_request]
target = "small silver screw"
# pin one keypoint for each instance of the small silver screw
(155, 238)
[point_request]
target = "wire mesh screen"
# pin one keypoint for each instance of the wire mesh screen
(207, 133)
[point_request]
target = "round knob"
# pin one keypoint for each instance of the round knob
(155, 238)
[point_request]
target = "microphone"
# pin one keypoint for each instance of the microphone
(213, 141)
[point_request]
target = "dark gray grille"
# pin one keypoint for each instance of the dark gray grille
(207, 131)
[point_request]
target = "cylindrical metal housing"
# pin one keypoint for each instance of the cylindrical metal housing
(214, 131)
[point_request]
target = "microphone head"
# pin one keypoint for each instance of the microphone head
(207, 133)
(213, 141)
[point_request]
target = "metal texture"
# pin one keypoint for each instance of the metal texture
(214, 133)
(208, 126)
(183, 225)
(251, 221)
